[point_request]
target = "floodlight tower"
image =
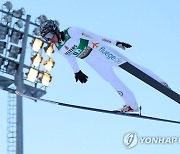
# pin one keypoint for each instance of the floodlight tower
(15, 74)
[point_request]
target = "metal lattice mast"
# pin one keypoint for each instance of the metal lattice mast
(11, 123)
(15, 74)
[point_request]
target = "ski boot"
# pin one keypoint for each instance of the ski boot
(126, 108)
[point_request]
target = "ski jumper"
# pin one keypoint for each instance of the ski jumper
(94, 49)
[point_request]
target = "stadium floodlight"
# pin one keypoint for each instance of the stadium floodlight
(7, 19)
(19, 23)
(15, 36)
(14, 51)
(1, 61)
(3, 31)
(37, 44)
(8, 5)
(41, 19)
(49, 50)
(36, 60)
(11, 67)
(19, 13)
(46, 79)
(36, 31)
(32, 74)
(49, 64)
(2, 47)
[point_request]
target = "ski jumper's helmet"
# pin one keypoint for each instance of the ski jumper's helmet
(48, 29)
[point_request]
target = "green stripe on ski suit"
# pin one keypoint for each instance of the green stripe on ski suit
(82, 51)
(66, 38)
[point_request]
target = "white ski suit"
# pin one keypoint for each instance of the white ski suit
(95, 51)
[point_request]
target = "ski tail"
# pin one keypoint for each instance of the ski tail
(150, 81)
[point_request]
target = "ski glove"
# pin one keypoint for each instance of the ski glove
(123, 45)
(81, 77)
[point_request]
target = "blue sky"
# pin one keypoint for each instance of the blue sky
(152, 27)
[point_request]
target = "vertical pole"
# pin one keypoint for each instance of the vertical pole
(19, 86)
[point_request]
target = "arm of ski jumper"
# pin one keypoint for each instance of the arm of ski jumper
(85, 34)
(73, 62)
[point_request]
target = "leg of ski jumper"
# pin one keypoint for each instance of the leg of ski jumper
(146, 75)
(143, 69)
(105, 69)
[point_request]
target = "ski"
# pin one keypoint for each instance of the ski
(97, 109)
(150, 81)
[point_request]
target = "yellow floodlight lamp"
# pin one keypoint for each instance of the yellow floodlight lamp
(46, 79)
(36, 60)
(37, 44)
(49, 50)
(32, 75)
(49, 64)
